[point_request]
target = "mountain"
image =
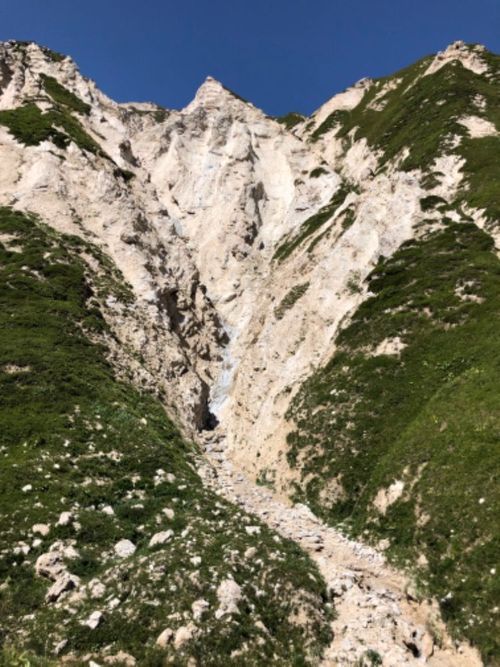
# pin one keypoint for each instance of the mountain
(232, 346)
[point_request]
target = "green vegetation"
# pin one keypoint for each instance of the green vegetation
(266, 477)
(29, 125)
(421, 113)
(370, 659)
(311, 225)
(336, 118)
(160, 115)
(73, 438)
(55, 56)
(290, 300)
(11, 657)
(290, 120)
(319, 171)
(482, 174)
(64, 97)
(431, 202)
(428, 415)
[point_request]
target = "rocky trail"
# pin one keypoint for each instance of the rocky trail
(377, 615)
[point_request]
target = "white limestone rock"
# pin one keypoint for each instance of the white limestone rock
(228, 594)
(124, 548)
(161, 538)
(42, 529)
(94, 620)
(165, 638)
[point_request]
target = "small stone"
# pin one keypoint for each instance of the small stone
(195, 560)
(107, 509)
(60, 646)
(124, 548)
(199, 607)
(65, 519)
(161, 538)
(252, 530)
(121, 659)
(427, 647)
(165, 638)
(169, 513)
(70, 552)
(250, 552)
(22, 548)
(26, 488)
(42, 529)
(66, 582)
(96, 589)
(184, 634)
(94, 620)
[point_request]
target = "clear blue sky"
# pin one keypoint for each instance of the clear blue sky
(280, 54)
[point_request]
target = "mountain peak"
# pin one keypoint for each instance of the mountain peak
(212, 94)
(468, 54)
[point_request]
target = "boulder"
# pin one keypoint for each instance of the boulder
(94, 620)
(66, 582)
(49, 565)
(184, 634)
(165, 638)
(228, 595)
(124, 548)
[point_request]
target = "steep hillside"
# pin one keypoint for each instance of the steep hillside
(314, 303)
(397, 435)
(109, 539)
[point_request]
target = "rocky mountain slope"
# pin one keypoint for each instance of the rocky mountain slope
(314, 302)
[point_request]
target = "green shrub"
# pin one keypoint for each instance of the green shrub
(64, 97)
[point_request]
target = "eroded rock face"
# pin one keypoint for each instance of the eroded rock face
(210, 196)
(171, 324)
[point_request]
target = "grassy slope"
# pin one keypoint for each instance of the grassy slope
(431, 416)
(29, 125)
(422, 113)
(84, 440)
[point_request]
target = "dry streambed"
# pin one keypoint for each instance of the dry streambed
(378, 618)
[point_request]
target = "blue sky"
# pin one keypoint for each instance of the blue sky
(282, 55)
